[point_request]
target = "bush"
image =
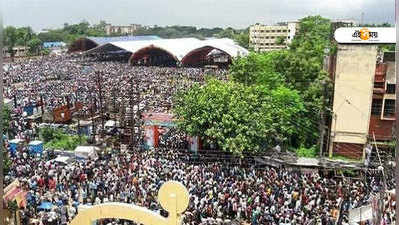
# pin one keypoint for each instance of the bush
(57, 139)
(307, 152)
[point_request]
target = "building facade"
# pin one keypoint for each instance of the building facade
(364, 100)
(129, 29)
(272, 37)
(19, 51)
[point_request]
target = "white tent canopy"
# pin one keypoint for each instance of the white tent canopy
(178, 48)
(86, 152)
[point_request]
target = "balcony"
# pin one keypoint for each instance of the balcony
(380, 73)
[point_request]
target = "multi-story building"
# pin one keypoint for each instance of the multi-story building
(364, 101)
(272, 37)
(19, 51)
(129, 29)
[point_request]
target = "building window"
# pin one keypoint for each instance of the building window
(389, 108)
(391, 89)
(379, 85)
(376, 107)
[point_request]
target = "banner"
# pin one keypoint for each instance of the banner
(360, 214)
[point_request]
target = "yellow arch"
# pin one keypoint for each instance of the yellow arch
(172, 196)
(119, 211)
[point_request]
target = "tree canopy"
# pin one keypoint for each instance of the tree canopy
(6, 114)
(272, 98)
(238, 118)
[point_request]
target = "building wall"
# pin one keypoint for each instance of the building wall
(353, 91)
(381, 124)
(349, 150)
(382, 129)
(263, 37)
(129, 29)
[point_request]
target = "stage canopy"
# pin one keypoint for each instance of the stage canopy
(87, 43)
(187, 51)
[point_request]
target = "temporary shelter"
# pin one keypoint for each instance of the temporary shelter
(86, 152)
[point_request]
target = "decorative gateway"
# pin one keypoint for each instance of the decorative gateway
(172, 196)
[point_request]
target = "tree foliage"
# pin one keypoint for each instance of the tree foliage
(236, 117)
(10, 39)
(299, 68)
(6, 114)
(256, 69)
(57, 139)
(34, 45)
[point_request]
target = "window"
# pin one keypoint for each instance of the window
(379, 85)
(376, 107)
(391, 88)
(389, 108)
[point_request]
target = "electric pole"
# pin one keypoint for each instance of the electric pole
(100, 96)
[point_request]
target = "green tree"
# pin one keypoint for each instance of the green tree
(24, 35)
(236, 117)
(256, 69)
(312, 38)
(13, 208)
(10, 40)
(34, 45)
(300, 68)
(6, 119)
(280, 40)
(6, 114)
(242, 39)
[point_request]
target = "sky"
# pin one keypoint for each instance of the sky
(42, 14)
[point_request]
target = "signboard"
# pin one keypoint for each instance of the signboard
(364, 35)
(158, 119)
(360, 214)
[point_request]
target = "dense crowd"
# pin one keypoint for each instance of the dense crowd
(219, 192)
(58, 78)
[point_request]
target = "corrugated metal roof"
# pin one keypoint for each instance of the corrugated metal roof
(104, 40)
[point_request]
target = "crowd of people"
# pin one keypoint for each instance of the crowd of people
(56, 81)
(56, 77)
(219, 193)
